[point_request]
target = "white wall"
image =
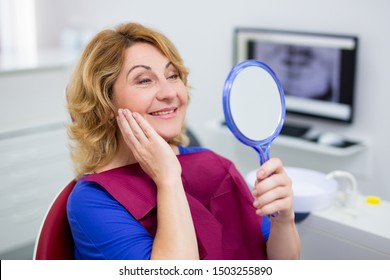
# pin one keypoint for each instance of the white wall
(202, 30)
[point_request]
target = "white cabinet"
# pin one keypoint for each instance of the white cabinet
(34, 151)
(34, 167)
(362, 232)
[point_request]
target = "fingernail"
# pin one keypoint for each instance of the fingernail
(261, 173)
(127, 112)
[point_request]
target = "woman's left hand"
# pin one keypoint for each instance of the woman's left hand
(273, 191)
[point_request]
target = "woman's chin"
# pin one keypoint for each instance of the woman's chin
(168, 136)
(168, 132)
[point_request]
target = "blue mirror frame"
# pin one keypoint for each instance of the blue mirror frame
(262, 146)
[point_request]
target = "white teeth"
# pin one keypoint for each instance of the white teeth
(162, 113)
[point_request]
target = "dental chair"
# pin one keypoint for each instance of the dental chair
(54, 241)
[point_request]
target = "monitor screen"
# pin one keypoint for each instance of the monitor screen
(317, 71)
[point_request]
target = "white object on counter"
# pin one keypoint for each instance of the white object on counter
(313, 190)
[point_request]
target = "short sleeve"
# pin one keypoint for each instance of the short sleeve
(104, 229)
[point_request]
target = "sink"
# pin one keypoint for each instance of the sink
(313, 190)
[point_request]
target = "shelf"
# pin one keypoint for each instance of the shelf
(302, 143)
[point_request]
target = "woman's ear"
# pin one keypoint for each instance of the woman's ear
(112, 115)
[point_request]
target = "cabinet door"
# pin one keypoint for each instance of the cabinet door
(34, 168)
(338, 242)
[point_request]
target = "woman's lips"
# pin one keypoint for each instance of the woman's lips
(165, 113)
(160, 113)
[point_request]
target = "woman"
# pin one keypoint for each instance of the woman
(141, 194)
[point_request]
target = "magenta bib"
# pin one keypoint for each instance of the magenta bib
(225, 221)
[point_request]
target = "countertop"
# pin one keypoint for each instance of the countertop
(372, 218)
(366, 225)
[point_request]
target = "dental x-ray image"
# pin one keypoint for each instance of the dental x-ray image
(304, 71)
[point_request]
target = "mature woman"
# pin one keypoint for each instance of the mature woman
(141, 193)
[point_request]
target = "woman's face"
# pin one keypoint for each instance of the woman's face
(150, 85)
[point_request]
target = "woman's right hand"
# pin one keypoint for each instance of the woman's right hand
(175, 237)
(150, 150)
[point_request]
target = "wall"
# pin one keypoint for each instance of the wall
(202, 30)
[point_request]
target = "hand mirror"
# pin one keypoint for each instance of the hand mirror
(254, 105)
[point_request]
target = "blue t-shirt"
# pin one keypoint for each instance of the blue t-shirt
(103, 229)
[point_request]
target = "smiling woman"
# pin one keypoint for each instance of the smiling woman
(141, 192)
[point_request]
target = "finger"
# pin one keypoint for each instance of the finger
(135, 127)
(268, 209)
(129, 129)
(125, 129)
(275, 193)
(268, 170)
(284, 207)
(269, 183)
(144, 125)
(272, 166)
(271, 202)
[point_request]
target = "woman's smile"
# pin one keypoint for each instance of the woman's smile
(165, 113)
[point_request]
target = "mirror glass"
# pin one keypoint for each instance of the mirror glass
(254, 105)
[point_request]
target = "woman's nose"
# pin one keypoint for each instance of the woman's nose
(166, 91)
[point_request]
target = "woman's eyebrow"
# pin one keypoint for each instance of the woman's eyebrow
(146, 67)
(138, 66)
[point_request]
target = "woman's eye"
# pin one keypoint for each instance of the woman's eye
(173, 77)
(144, 81)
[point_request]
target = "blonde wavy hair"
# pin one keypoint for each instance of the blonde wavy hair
(89, 94)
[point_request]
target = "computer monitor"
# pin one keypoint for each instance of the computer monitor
(317, 71)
